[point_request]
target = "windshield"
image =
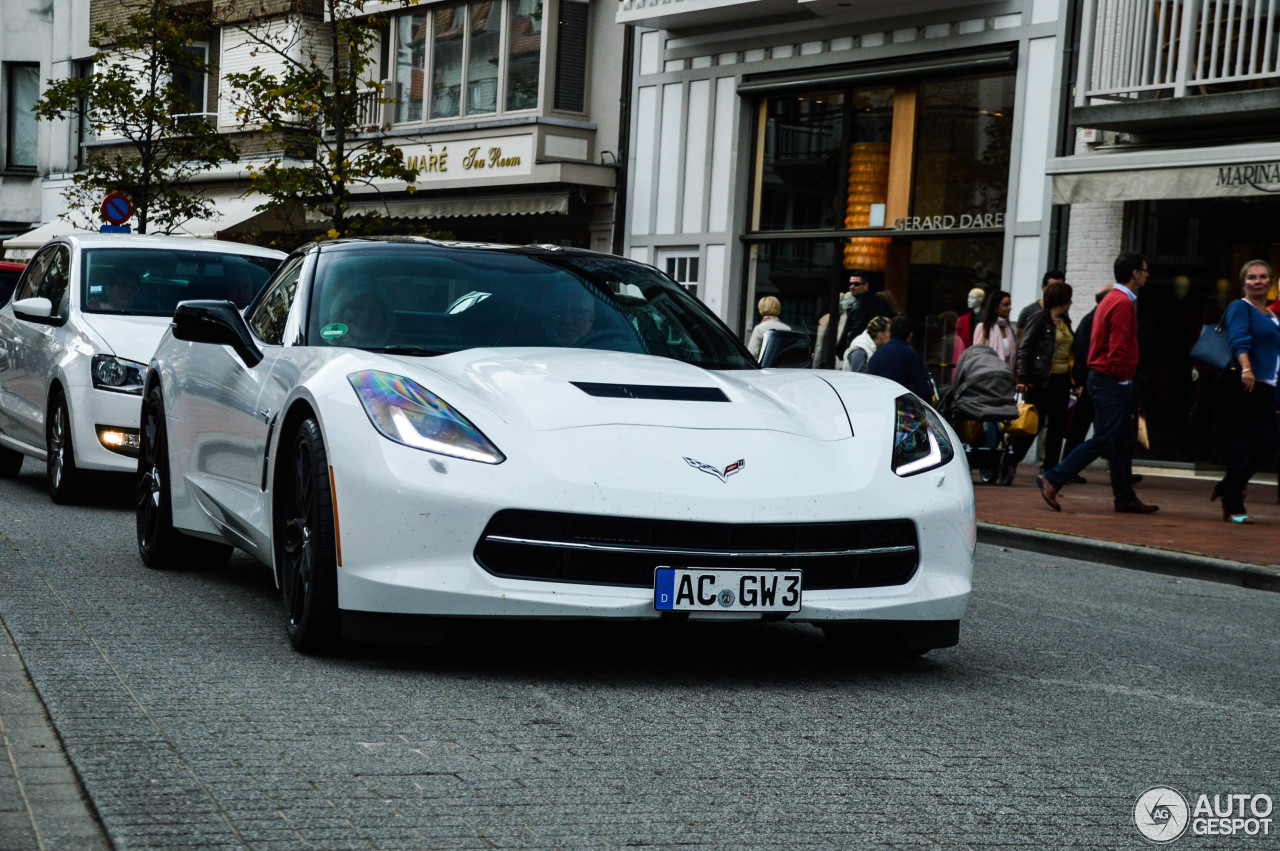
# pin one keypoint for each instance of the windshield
(151, 282)
(428, 301)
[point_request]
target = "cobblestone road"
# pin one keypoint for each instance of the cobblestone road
(192, 724)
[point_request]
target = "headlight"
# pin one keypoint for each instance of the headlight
(920, 440)
(408, 413)
(118, 375)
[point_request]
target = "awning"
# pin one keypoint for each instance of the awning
(1153, 175)
(24, 247)
(1167, 184)
(458, 207)
(233, 210)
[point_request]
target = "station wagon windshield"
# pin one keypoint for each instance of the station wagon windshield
(151, 282)
(427, 302)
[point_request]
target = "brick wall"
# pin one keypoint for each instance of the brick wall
(1094, 240)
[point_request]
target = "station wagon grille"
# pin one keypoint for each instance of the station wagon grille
(600, 550)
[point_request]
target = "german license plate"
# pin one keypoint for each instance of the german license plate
(692, 589)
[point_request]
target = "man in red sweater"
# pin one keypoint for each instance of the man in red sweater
(1113, 360)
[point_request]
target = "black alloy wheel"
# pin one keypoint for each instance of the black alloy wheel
(159, 544)
(65, 479)
(306, 549)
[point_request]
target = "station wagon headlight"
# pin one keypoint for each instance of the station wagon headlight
(406, 412)
(118, 375)
(920, 440)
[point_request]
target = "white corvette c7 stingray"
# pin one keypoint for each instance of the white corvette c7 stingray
(406, 430)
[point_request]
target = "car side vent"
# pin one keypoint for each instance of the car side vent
(651, 391)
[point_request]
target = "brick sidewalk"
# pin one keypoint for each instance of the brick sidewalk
(1187, 522)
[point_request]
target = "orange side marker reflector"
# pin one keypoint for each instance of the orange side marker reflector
(337, 530)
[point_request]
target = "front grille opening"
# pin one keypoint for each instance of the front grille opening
(573, 549)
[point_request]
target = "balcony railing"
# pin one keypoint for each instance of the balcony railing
(1150, 48)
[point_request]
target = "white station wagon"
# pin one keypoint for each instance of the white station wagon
(78, 332)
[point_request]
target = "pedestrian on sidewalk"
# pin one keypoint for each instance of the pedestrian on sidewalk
(770, 309)
(1082, 419)
(1113, 361)
(1053, 276)
(1044, 371)
(995, 331)
(898, 361)
(1250, 388)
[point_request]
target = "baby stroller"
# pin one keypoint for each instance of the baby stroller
(982, 392)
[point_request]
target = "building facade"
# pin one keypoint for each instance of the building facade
(37, 42)
(779, 145)
(509, 108)
(1176, 154)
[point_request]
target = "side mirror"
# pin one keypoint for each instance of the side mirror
(786, 350)
(35, 309)
(217, 322)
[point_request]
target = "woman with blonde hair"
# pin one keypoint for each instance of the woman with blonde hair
(770, 309)
(865, 344)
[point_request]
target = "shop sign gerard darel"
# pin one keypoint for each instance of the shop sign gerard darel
(949, 222)
(468, 159)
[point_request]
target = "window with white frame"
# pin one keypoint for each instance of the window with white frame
(22, 89)
(467, 59)
(191, 81)
(682, 266)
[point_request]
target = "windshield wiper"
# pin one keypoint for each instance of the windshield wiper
(410, 351)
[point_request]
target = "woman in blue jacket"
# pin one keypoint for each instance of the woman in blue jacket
(1249, 388)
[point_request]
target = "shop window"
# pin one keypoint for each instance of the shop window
(470, 72)
(571, 57)
(963, 133)
(802, 162)
(22, 89)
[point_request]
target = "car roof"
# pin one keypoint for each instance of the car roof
(367, 242)
(150, 241)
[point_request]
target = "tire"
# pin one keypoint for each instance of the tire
(892, 639)
(65, 480)
(10, 463)
(159, 544)
(987, 474)
(305, 547)
(1008, 470)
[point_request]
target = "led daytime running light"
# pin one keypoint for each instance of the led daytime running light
(920, 440)
(407, 413)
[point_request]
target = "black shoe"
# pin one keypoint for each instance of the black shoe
(1077, 480)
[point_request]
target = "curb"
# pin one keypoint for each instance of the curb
(1149, 559)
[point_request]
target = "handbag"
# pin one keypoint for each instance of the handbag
(1213, 349)
(1027, 423)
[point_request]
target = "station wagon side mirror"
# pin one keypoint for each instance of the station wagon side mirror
(36, 309)
(217, 322)
(786, 350)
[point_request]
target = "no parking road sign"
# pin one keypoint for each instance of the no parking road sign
(116, 208)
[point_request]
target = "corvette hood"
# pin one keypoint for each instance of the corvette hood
(541, 389)
(131, 337)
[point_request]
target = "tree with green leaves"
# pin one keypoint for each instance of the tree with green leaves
(137, 101)
(309, 90)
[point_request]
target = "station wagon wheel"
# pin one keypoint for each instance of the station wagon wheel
(159, 544)
(65, 479)
(305, 543)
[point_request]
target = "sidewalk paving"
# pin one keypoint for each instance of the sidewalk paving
(1187, 537)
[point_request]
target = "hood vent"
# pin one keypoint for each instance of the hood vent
(651, 391)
